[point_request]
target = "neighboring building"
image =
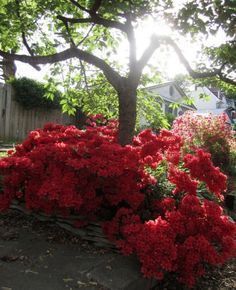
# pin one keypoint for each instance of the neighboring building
(214, 101)
(206, 100)
(171, 93)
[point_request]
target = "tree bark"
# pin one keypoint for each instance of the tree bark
(80, 118)
(127, 115)
(8, 68)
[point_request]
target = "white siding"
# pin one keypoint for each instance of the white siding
(164, 92)
(207, 105)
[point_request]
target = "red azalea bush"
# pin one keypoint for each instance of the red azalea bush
(212, 133)
(151, 199)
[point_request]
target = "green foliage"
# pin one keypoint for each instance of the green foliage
(225, 52)
(150, 114)
(170, 118)
(232, 162)
(45, 32)
(85, 89)
(32, 94)
(204, 97)
(207, 17)
(3, 154)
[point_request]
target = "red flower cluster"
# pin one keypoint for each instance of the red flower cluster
(199, 165)
(189, 236)
(62, 170)
(144, 194)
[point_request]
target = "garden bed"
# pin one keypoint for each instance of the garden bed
(91, 233)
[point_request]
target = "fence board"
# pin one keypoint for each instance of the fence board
(16, 122)
(2, 110)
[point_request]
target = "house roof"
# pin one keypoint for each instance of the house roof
(177, 87)
(218, 93)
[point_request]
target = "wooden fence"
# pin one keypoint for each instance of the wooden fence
(16, 122)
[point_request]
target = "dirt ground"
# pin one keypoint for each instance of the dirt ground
(52, 237)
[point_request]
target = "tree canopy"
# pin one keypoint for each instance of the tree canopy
(90, 31)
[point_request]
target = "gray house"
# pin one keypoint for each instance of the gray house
(171, 93)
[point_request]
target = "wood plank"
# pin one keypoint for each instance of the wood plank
(2, 110)
(8, 93)
(18, 122)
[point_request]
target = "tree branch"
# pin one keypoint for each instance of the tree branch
(226, 79)
(85, 77)
(112, 76)
(194, 74)
(23, 33)
(95, 7)
(74, 20)
(156, 41)
(182, 58)
(63, 19)
(79, 6)
(154, 44)
(96, 20)
(68, 32)
(86, 36)
(132, 44)
(26, 43)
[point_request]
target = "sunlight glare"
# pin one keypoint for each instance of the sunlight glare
(164, 58)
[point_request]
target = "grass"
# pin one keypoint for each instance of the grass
(3, 154)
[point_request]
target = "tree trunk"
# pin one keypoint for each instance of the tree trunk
(80, 118)
(8, 68)
(127, 115)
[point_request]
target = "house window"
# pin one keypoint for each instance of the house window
(171, 91)
(219, 105)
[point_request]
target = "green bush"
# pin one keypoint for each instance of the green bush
(33, 94)
(232, 160)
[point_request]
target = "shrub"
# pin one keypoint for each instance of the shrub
(151, 199)
(232, 156)
(32, 94)
(212, 133)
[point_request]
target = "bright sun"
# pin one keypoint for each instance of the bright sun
(164, 58)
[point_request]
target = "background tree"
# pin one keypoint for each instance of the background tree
(90, 30)
(201, 19)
